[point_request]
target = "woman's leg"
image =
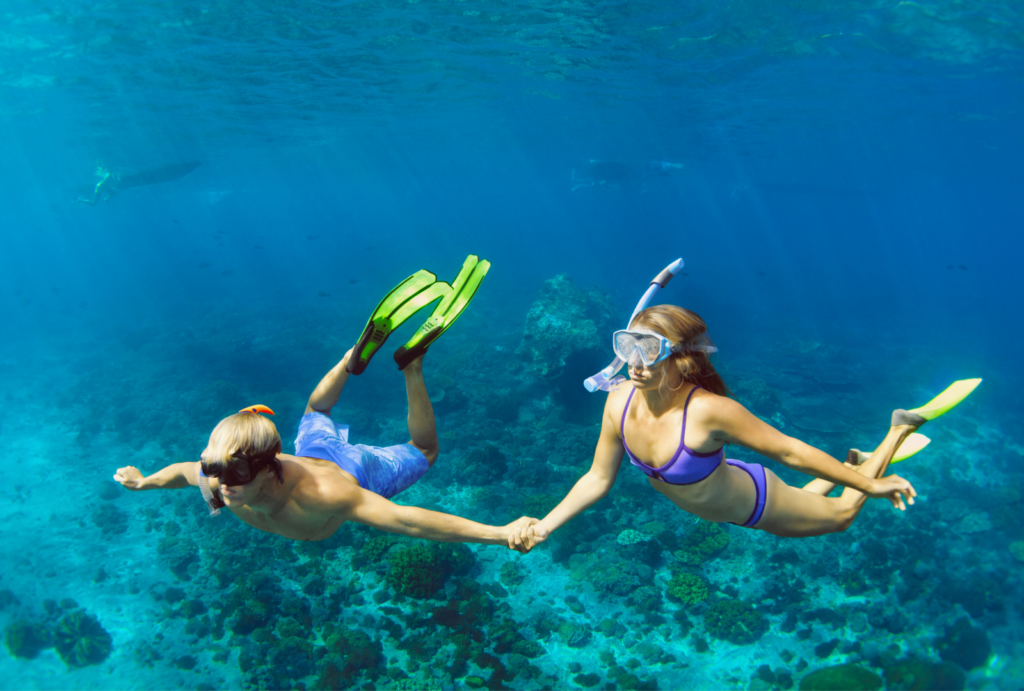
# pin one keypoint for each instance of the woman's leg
(796, 512)
(860, 461)
(422, 425)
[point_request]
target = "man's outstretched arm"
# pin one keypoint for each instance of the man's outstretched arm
(174, 476)
(374, 510)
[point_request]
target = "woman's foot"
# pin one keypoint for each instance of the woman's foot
(902, 417)
(856, 457)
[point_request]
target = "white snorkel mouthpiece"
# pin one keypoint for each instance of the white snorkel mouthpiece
(606, 379)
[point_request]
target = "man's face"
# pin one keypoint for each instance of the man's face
(237, 495)
(237, 483)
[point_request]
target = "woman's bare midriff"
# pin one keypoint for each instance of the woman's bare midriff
(725, 496)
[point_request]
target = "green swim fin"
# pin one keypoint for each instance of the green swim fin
(404, 300)
(947, 400)
(910, 446)
(463, 289)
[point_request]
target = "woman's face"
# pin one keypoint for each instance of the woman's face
(642, 375)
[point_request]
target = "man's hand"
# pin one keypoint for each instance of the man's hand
(525, 534)
(895, 489)
(130, 477)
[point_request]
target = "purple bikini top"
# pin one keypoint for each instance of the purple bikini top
(687, 466)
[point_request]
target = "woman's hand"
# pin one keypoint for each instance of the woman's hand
(130, 477)
(895, 489)
(525, 536)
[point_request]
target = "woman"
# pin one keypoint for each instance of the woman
(673, 420)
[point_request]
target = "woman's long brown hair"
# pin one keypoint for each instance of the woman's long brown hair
(683, 326)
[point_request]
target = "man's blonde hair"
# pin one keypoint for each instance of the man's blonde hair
(248, 434)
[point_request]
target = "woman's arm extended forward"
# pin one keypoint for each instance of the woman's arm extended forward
(735, 424)
(587, 491)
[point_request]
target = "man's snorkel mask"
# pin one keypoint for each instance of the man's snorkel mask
(242, 471)
(650, 351)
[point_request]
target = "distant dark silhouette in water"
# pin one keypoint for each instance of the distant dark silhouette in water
(661, 169)
(616, 176)
(111, 183)
(608, 174)
(811, 189)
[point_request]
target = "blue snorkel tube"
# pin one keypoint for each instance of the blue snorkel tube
(606, 379)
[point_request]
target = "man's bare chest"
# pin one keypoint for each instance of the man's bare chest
(294, 524)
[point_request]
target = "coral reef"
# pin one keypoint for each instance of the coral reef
(735, 621)
(915, 674)
(848, 677)
(81, 640)
(631, 537)
(702, 542)
(965, 645)
(563, 321)
(420, 570)
(688, 588)
(26, 639)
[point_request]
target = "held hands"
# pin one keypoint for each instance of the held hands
(130, 477)
(895, 489)
(525, 534)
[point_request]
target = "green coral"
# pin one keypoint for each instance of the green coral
(415, 571)
(511, 573)
(846, 677)
(688, 588)
(614, 578)
(81, 640)
(26, 640)
(1017, 550)
(701, 543)
(735, 621)
(914, 674)
(631, 537)
(575, 635)
(420, 571)
(374, 549)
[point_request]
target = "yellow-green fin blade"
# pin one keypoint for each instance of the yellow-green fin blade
(453, 304)
(910, 446)
(947, 400)
(418, 302)
(398, 305)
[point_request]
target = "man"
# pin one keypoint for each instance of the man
(309, 495)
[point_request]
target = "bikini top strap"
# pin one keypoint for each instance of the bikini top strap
(622, 425)
(686, 410)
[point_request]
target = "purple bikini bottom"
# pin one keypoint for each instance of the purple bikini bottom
(756, 473)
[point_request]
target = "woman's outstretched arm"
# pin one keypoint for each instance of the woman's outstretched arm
(587, 491)
(734, 424)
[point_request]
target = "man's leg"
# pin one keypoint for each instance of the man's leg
(422, 425)
(327, 392)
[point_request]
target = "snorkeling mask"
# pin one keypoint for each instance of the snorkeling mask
(655, 353)
(648, 348)
(651, 348)
(242, 472)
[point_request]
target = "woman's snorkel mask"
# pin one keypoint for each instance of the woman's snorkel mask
(647, 347)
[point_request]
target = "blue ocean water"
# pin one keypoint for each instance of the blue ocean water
(845, 191)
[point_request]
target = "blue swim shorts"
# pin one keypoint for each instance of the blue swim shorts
(384, 471)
